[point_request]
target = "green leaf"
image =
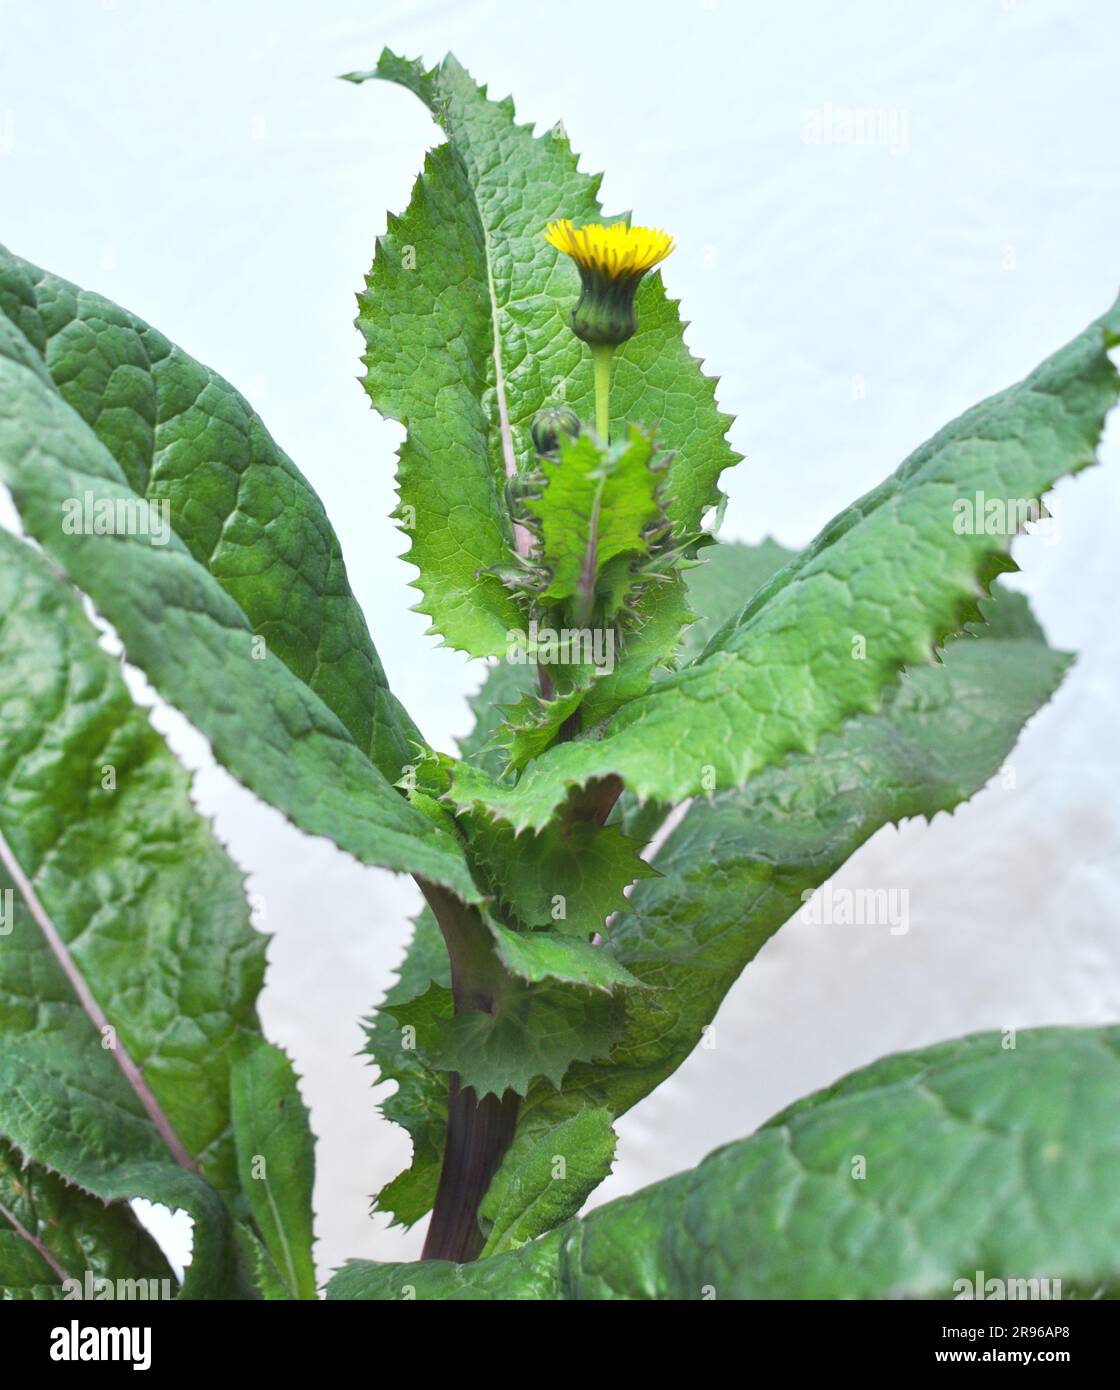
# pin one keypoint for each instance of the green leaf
(545, 1178)
(148, 909)
(902, 1181)
(537, 956)
(413, 1037)
(595, 507)
(535, 723)
(426, 319)
(465, 318)
(267, 1279)
(528, 1274)
(558, 1007)
(50, 1232)
(537, 1030)
(185, 437)
(878, 590)
(737, 868)
(661, 615)
(578, 870)
(275, 1158)
(713, 590)
(726, 576)
(65, 1105)
(740, 866)
(130, 969)
(195, 644)
(419, 1104)
(975, 1158)
(507, 689)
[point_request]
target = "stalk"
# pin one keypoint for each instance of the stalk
(478, 1132)
(601, 354)
(478, 1135)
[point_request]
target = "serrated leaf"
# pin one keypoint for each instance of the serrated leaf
(267, 1279)
(535, 724)
(975, 1157)
(130, 969)
(571, 876)
(185, 437)
(879, 590)
(405, 1035)
(724, 579)
(538, 1030)
(275, 1158)
(468, 338)
(195, 644)
(738, 867)
(419, 1104)
(50, 1232)
(426, 318)
(595, 507)
(149, 910)
(528, 1274)
(539, 956)
(506, 689)
(553, 1003)
(662, 615)
(545, 1178)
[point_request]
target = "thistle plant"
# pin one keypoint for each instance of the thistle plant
(678, 739)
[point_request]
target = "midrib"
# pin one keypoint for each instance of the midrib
(95, 1013)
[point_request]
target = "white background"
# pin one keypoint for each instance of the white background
(200, 164)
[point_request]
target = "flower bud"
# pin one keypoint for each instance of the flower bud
(552, 422)
(611, 261)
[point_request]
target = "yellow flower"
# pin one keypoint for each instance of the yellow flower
(611, 261)
(617, 252)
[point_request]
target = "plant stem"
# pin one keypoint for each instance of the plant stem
(478, 1132)
(601, 354)
(478, 1135)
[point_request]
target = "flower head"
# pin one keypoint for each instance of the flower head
(611, 260)
(550, 423)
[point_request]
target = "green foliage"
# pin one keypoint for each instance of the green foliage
(879, 590)
(50, 1232)
(545, 1178)
(275, 1159)
(184, 437)
(270, 729)
(464, 347)
(565, 965)
(975, 1155)
(571, 875)
(537, 1030)
(595, 512)
(739, 866)
(419, 1103)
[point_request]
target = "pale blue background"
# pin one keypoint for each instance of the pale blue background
(199, 163)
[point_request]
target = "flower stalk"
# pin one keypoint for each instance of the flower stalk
(601, 354)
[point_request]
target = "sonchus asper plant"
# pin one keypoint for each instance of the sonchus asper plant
(558, 483)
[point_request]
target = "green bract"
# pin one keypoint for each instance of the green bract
(576, 942)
